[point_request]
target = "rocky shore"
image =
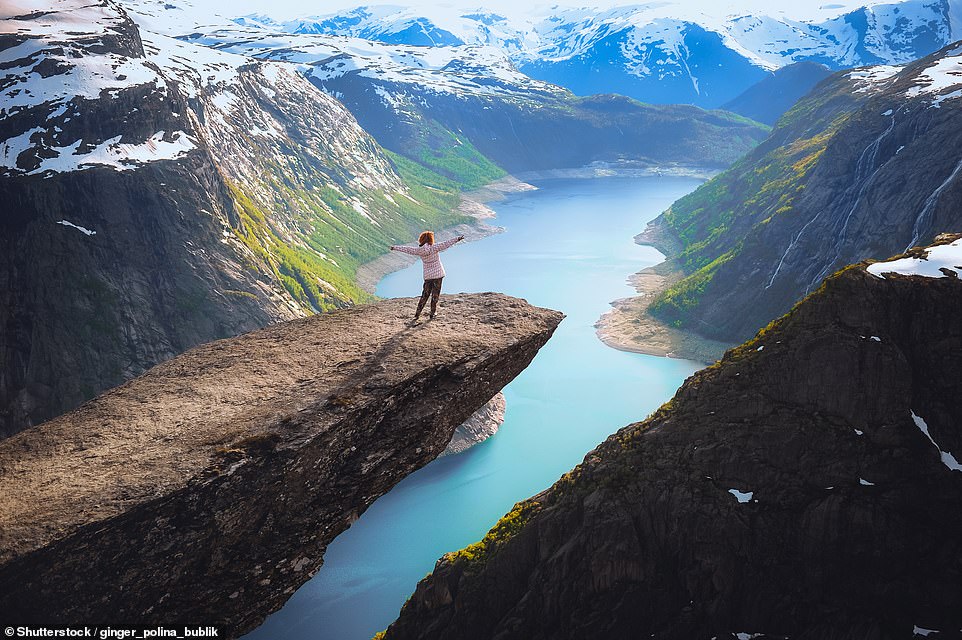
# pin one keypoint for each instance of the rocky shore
(629, 327)
(482, 424)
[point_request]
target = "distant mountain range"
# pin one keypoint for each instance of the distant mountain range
(659, 52)
(426, 102)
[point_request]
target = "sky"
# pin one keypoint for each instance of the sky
(286, 9)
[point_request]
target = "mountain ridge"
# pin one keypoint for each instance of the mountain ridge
(143, 160)
(771, 97)
(661, 52)
(433, 104)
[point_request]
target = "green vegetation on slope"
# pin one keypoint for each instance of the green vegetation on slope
(317, 260)
(536, 130)
(711, 222)
(475, 555)
(444, 153)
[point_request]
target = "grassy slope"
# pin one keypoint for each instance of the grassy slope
(317, 262)
(436, 151)
(711, 222)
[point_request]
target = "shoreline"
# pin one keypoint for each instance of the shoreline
(482, 424)
(473, 204)
(628, 326)
(620, 170)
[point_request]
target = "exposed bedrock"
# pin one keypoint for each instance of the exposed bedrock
(206, 490)
(482, 424)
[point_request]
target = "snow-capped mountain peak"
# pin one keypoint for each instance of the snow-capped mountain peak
(659, 52)
(696, 54)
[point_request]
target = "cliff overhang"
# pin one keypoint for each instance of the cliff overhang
(207, 490)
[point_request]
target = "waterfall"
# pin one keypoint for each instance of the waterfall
(864, 171)
(929, 206)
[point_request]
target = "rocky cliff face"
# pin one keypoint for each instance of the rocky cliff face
(208, 488)
(160, 195)
(865, 166)
(806, 486)
(482, 424)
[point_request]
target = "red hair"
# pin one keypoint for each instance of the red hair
(426, 238)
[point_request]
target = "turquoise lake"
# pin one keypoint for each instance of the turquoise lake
(567, 246)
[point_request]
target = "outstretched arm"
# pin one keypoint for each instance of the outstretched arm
(414, 251)
(441, 246)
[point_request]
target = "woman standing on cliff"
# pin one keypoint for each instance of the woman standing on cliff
(433, 269)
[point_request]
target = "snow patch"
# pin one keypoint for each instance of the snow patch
(945, 74)
(871, 78)
(16, 145)
(937, 103)
(741, 496)
(195, 66)
(116, 155)
(359, 207)
(83, 230)
(947, 458)
(945, 256)
(224, 100)
(865, 483)
(271, 130)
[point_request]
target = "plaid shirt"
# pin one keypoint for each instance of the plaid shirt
(428, 253)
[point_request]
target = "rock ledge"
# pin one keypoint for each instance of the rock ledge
(206, 490)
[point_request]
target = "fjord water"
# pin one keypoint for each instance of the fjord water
(567, 246)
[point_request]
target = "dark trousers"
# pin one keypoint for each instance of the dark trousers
(431, 288)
